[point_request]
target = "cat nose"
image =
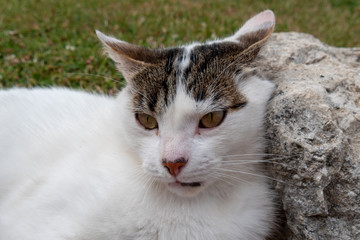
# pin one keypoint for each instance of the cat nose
(174, 167)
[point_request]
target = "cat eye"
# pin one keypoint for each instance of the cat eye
(147, 121)
(212, 119)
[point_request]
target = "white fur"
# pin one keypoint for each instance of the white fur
(186, 57)
(71, 168)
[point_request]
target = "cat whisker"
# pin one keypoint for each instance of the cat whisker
(230, 177)
(261, 154)
(234, 180)
(241, 162)
(229, 181)
(251, 174)
(236, 160)
(139, 176)
(240, 159)
(255, 159)
(148, 185)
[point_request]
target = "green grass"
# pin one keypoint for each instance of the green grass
(51, 42)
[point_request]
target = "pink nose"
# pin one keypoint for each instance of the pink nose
(174, 167)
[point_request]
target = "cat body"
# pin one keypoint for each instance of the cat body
(173, 156)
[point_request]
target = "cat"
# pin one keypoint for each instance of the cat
(173, 157)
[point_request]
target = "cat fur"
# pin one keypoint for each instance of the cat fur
(77, 165)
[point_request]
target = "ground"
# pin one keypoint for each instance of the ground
(50, 42)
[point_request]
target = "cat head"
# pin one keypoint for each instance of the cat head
(190, 108)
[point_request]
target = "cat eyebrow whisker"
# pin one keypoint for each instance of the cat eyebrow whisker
(215, 85)
(143, 95)
(228, 66)
(236, 60)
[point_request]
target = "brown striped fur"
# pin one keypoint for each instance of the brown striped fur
(206, 71)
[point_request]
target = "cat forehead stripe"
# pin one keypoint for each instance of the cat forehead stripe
(185, 61)
(199, 68)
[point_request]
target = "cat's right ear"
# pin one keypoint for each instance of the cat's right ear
(129, 58)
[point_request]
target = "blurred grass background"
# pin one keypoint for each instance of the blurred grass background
(52, 42)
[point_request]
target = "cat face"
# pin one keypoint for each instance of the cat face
(190, 108)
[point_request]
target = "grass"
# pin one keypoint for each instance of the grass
(50, 42)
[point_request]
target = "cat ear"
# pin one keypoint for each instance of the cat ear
(255, 31)
(130, 59)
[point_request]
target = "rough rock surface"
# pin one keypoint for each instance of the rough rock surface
(313, 125)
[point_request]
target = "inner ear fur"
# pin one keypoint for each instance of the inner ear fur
(129, 58)
(254, 33)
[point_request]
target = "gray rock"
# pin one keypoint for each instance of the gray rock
(313, 125)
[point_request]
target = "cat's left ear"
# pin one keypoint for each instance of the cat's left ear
(253, 34)
(130, 59)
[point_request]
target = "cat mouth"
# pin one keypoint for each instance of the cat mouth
(183, 184)
(193, 184)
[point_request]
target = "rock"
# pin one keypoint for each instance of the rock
(313, 125)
